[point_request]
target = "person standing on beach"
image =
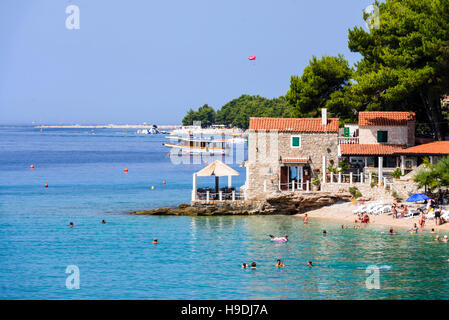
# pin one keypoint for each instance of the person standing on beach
(438, 217)
(306, 219)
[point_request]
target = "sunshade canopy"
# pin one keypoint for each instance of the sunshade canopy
(418, 197)
(218, 169)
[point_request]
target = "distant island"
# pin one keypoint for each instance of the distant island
(108, 126)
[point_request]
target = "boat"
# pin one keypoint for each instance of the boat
(197, 145)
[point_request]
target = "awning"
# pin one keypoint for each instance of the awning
(369, 149)
(295, 160)
(218, 169)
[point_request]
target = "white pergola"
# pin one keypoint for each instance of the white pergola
(217, 169)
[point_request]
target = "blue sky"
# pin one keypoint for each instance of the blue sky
(150, 61)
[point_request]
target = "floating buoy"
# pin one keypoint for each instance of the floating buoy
(32, 166)
(163, 182)
(152, 187)
(205, 162)
(46, 185)
(126, 170)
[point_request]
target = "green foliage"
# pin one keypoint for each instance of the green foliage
(238, 111)
(433, 176)
(396, 174)
(321, 86)
(344, 165)
(442, 171)
(405, 61)
(316, 181)
(205, 114)
(394, 194)
(355, 192)
(372, 184)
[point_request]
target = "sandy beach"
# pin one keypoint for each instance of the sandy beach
(342, 212)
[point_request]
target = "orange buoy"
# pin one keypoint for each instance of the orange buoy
(126, 170)
(46, 185)
(163, 182)
(32, 166)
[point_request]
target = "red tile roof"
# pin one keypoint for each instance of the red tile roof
(294, 160)
(369, 149)
(437, 147)
(385, 118)
(293, 124)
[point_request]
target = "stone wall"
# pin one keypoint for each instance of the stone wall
(266, 149)
(396, 134)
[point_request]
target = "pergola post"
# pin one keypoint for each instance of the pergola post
(324, 170)
(339, 177)
(302, 178)
(402, 165)
(308, 185)
(370, 177)
(332, 177)
(350, 177)
(229, 182)
(194, 188)
(380, 170)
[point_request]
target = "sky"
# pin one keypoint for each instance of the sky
(150, 61)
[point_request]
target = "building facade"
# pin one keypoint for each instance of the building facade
(287, 153)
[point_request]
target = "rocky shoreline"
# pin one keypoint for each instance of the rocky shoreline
(288, 203)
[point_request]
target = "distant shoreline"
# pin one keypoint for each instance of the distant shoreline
(108, 126)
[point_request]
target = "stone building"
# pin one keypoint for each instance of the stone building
(287, 153)
(381, 134)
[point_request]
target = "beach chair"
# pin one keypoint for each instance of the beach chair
(360, 209)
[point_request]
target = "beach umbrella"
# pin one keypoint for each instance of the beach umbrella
(418, 197)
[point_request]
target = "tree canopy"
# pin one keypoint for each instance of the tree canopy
(205, 114)
(321, 86)
(405, 62)
(238, 111)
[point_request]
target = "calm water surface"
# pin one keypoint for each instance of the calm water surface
(197, 257)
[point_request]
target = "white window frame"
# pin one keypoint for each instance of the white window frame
(291, 142)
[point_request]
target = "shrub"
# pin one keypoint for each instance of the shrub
(394, 194)
(397, 173)
(373, 184)
(355, 192)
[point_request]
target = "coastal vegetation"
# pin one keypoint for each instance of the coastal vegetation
(433, 176)
(403, 67)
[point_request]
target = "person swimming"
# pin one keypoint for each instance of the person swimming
(437, 238)
(432, 231)
(324, 232)
(343, 226)
(309, 263)
(103, 221)
(155, 240)
(445, 239)
(390, 232)
(71, 224)
(244, 266)
(306, 219)
(281, 239)
(279, 263)
(253, 265)
(414, 229)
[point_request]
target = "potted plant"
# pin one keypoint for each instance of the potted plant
(315, 183)
(396, 174)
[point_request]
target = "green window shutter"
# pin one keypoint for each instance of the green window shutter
(382, 136)
(296, 142)
(346, 132)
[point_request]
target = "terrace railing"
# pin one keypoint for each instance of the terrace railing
(348, 140)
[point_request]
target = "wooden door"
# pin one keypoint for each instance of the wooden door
(284, 178)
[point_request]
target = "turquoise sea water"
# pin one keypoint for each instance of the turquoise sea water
(197, 257)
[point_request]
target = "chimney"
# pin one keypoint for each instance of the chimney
(324, 116)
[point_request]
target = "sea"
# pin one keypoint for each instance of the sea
(42, 257)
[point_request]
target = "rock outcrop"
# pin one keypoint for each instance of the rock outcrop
(286, 203)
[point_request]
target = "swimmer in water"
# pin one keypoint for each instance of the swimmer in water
(306, 219)
(445, 239)
(437, 238)
(279, 263)
(414, 229)
(324, 232)
(309, 263)
(389, 232)
(244, 266)
(71, 224)
(103, 221)
(155, 240)
(343, 226)
(253, 265)
(432, 231)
